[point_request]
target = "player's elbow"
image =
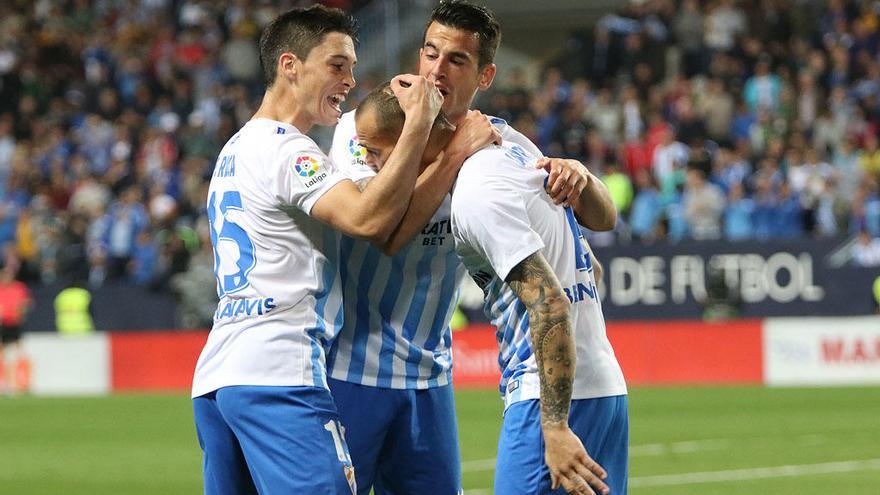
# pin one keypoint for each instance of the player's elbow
(556, 303)
(606, 222)
(374, 232)
(388, 247)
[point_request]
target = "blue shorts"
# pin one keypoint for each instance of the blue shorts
(401, 441)
(272, 440)
(601, 424)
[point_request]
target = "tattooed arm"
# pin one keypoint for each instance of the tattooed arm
(535, 284)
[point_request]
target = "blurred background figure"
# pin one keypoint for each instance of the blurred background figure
(73, 310)
(15, 302)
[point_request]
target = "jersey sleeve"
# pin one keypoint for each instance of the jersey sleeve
(490, 218)
(347, 153)
(302, 173)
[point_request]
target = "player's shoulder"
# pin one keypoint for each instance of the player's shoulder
(503, 160)
(269, 135)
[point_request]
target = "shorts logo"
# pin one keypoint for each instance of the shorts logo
(349, 476)
(309, 169)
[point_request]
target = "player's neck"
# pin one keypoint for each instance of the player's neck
(279, 104)
(458, 117)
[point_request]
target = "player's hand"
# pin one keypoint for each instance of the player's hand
(418, 98)
(570, 465)
(472, 134)
(567, 179)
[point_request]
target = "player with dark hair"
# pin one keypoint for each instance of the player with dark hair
(394, 351)
(561, 384)
(264, 415)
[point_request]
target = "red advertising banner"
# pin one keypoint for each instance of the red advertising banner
(668, 352)
(154, 361)
(475, 357)
(688, 352)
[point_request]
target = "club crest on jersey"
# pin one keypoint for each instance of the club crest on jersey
(309, 170)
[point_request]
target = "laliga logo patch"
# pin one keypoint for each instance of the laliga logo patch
(306, 166)
(354, 145)
(308, 170)
(358, 152)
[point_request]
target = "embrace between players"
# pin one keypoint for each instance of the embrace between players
(329, 370)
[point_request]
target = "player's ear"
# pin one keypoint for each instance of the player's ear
(487, 75)
(288, 66)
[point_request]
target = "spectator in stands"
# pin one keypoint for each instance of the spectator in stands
(738, 215)
(870, 159)
(847, 169)
(716, 109)
(687, 27)
(725, 23)
(605, 115)
(866, 252)
(197, 305)
(788, 216)
(703, 205)
(144, 260)
(127, 218)
(619, 187)
(667, 164)
(647, 208)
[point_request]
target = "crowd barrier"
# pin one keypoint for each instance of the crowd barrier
(772, 351)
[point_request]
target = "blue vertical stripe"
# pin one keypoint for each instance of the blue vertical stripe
(445, 304)
(346, 244)
(414, 315)
(362, 316)
(320, 335)
(386, 309)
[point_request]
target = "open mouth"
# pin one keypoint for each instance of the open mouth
(441, 88)
(336, 101)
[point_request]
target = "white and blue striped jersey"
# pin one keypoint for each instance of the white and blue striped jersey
(396, 330)
(500, 216)
(276, 267)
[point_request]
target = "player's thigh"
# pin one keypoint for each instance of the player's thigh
(291, 438)
(603, 426)
(421, 454)
(224, 468)
(366, 414)
(520, 467)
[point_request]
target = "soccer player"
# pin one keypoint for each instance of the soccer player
(562, 386)
(394, 349)
(264, 416)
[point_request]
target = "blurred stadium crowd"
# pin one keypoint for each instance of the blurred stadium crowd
(721, 119)
(707, 120)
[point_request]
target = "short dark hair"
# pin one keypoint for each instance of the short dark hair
(477, 19)
(298, 31)
(389, 115)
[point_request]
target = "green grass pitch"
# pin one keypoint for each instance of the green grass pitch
(725, 440)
